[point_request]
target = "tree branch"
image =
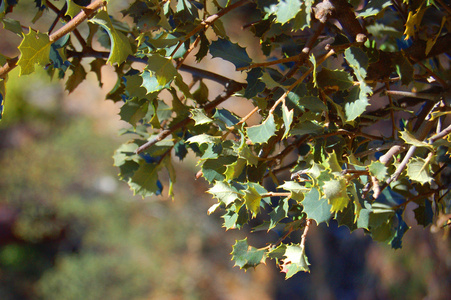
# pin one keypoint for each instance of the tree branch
(69, 27)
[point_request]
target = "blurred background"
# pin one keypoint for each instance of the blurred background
(69, 229)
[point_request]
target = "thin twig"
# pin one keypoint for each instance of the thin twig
(242, 121)
(304, 234)
(440, 135)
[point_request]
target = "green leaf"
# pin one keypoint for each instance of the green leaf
(144, 180)
(13, 26)
(204, 139)
(203, 47)
(401, 229)
(316, 208)
(260, 134)
(332, 163)
(287, 10)
(378, 170)
(162, 69)
(419, 170)
(252, 199)
(347, 218)
(235, 169)
(358, 99)
(411, 140)
(356, 103)
(77, 76)
(246, 256)
(336, 193)
(373, 8)
(134, 110)
(214, 169)
(231, 52)
(224, 192)
(234, 219)
(34, 49)
(280, 212)
(246, 153)
(424, 214)
(120, 45)
(297, 190)
(201, 94)
(335, 79)
(254, 84)
(295, 261)
(199, 116)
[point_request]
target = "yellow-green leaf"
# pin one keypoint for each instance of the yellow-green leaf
(120, 45)
(34, 49)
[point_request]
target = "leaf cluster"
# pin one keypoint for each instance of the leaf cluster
(328, 152)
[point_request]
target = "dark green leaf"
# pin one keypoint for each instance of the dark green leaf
(246, 256)
(424, 214)
(231, 52)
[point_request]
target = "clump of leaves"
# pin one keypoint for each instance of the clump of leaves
(314, 93)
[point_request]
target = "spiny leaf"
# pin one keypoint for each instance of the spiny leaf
(260, 134)
(419, 170)
(378, 170)
(287, 10)
(235, 169)
(358, 101)
(224, 192)
(337, 79)
(77, 76)
(401, 229)
(297, 190)
(120, 45)
(162, 69)
(414, 21)
(424, 213)
(412, 140)
(252, 200)
(316, 208)
(231, 52)
(246, 256)
(199, 116)
(204, 139)
(295, 261)
(13, 26)
(336, 193)
(34, 49)
(280, 212)
(145, 180)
